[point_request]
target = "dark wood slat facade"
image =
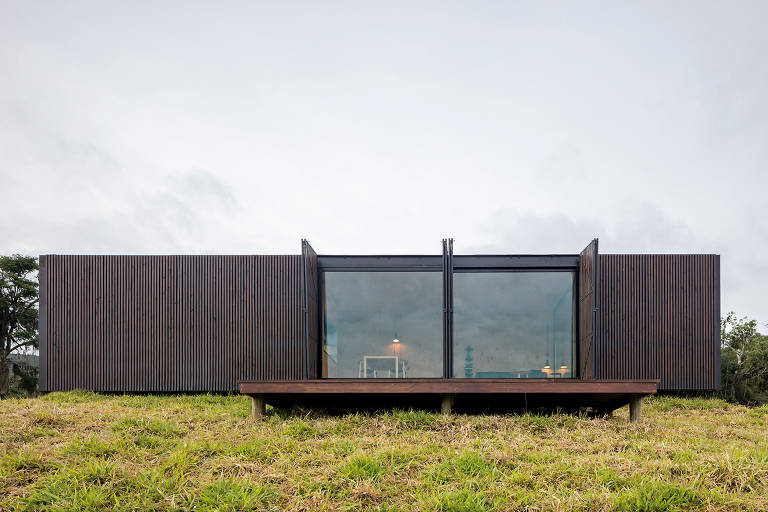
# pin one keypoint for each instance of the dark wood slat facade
(170, 323)
(203, 323)
(660, 319)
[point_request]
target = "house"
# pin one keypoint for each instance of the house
(573, 331)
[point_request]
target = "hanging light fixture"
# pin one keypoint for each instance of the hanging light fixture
(395, 344)
(547, 369)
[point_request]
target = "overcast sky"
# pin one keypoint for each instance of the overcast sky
(161, 127)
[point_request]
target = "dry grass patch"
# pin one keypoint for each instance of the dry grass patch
(85, 451)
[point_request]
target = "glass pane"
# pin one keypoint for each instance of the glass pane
(513, 325)
(365, 312)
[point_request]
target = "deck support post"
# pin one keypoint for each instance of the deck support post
(258, 408)
(635, 402)
(447, 404)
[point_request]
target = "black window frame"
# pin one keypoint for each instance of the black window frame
(449, 264)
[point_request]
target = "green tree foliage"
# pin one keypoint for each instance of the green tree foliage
(744, 360)
(18, 309)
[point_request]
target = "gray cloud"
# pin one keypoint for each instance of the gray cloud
(632, 227)
(382, 128)
(170, 218)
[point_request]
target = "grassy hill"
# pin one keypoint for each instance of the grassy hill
(82, 451)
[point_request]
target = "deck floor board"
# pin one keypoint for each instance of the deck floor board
(471, 395)
(448, 386)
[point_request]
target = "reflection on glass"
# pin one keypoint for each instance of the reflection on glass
(513, 325)
(382, 324)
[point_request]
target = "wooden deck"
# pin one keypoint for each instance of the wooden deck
(470, 395)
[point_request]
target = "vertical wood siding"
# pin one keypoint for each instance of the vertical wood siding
(588, 261)
(170, 323)
(660, 319)
(201, 323)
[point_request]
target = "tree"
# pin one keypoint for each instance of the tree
(744, 360)
(18, 309)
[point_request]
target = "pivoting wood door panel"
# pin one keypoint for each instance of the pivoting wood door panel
(588, 307)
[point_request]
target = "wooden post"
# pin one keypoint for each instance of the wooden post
(447, 404)
(635, 402)
(258, 409)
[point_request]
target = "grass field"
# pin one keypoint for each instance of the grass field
(82, 451)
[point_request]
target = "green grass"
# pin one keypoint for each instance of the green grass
(84, 451)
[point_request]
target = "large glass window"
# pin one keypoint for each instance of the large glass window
(382, 324)
(513, 325)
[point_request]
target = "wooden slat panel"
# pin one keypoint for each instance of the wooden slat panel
(660, 319)
(170, 323)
